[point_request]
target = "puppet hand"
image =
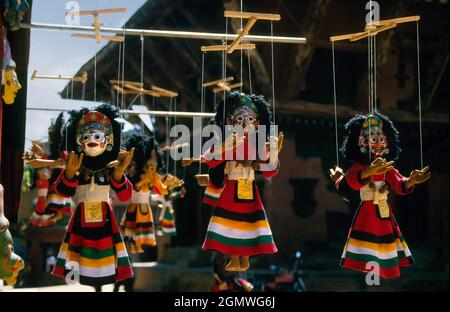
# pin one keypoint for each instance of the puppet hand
(280, 141)
(37, 150)
(335, 173)
(229, 142)
(273, 148)
(378, 166)
(418, 177)
(124, 160)
(73, 163)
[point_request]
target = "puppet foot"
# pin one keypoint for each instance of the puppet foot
(57, 216)
(234, 265)
(245, 263)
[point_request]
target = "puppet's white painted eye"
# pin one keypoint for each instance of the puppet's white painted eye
(97, 137)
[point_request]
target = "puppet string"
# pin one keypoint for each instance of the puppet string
(335, 105)
(419, 87)
(273, 72)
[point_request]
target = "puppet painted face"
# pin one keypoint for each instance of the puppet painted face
(44, 174)
(245, 115)
(94, 134)
(10, 263)
(372, 139)
(94, 142)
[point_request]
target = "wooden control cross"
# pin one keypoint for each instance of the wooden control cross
(375, 28)
(223, 84)
(132, 87)
(83, 78)
(96, 14)
(236, 44)
(164, 92)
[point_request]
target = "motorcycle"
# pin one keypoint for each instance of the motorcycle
(285, 280)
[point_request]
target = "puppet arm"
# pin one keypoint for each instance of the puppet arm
(65, 187)
(397, 182)
(353, 177)
(123, 188)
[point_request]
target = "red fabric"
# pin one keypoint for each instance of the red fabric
(125, 194)
(393, 178)
(102, 244)
(41, 202)
(353, 177)
(227, 200)
(123, 272)
(62, 179)
(367, 220)
(209, 201)
(384, 272)
(396, 182)
(270, 174)
(211, 244)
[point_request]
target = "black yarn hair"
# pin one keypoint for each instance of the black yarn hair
(98, 162)
(55, 137)
(350, 148)
(232, 102)
(143, 145)
(224, 109)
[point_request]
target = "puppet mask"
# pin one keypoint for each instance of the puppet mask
(372, 137)
(44, 173)
(94, 134)
(245, 115)
(10, 263)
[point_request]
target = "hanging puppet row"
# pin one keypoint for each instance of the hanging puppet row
(90, 155)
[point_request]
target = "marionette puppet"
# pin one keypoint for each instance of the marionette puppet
(137, 223)
(173, 190)
(9, 76)
(41, 183)
(10, 263)
(93, 250)
(212, 193)
(239, 226)
(52, 206)
(371, 146)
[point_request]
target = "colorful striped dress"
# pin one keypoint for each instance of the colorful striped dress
(212, 195)
(375, 235)
(39, 217)
(93, 250)
(166, 219)
(239, 225)
(54, 203)
(137, 222)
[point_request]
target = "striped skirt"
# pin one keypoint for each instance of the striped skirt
(372, 239)
(56, 202)
(52, 204)
(239, 228)
(93, 256)
(137, 227)
(212, 195)
(41, 217)
(166, 226)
